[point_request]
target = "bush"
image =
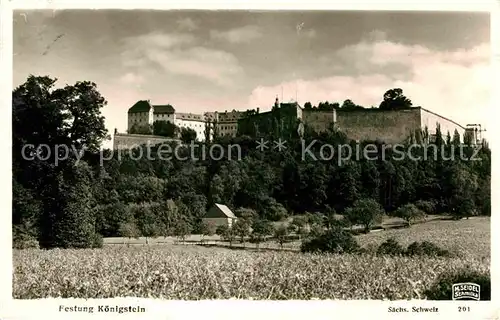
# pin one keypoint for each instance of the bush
(410, 213)
(426, 248)
(442, 288)
(333, 241)
(429, 207)
(316, 230)
(365, 212)
(97, 241)
(23, 239)
(370, 248)
(390, 247)
(26, 243)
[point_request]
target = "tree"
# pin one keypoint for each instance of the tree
(72, 223)
(168, 216)
(299, 225)
(207, 229)
(147, 221)
(110, 216)
(70, 115)
(456, 138)
(468, 137)
(349, 105)
(182, 229)
(428, 207)
(165, 129)
(314, 218)
(281, 233)
(188, 135)
(226, 233)
(129, 230)
(138, 128)
(26, 211)
(395, 100)
(461, 185)
(316, 230)
(410, 213)
(221, 230)
(246, 213)
(327, 106)
(272, 210)
(329, 219)
(307, 105)
(260, 230)
(68, 118)
(335, 240)
(448, 138)
(365, 212)
(241, 228)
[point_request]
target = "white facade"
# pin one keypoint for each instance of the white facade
(140, 118)
(227, 129)
(220, 221)
(430, 120)
(227, 123)
(164, 117)
(191, 121)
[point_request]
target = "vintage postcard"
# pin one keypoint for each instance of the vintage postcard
(249, 163)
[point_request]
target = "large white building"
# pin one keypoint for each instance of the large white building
(221, 123)
(143, 113)
(191, 121)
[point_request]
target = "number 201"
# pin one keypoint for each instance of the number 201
(463, 309)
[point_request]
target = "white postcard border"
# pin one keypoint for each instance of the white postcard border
(227, 309)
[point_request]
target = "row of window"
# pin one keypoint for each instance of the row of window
(228, 127)
(162, 115)
(196, 125)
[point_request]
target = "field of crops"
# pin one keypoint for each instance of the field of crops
(188, 272)
(469, 238)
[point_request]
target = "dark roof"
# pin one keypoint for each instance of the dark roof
(289, 104)
(140, 106)
(189, 116)
(219, 211)
(164, 109)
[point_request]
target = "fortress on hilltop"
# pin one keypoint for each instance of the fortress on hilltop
(389, 126)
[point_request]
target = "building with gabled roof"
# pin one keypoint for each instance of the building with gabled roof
(164, 113)
(220, 214)
(140, 107)
(140, 114)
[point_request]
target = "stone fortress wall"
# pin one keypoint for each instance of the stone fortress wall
(390, 126)
(129, 141)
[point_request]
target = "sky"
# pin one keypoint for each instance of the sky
(223, 60)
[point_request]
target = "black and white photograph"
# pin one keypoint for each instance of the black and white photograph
(251, 155)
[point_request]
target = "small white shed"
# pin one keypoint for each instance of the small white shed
(220, 214)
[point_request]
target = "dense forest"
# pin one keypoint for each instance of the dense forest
(76, 201)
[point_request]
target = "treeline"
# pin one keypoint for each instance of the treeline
(76, 202)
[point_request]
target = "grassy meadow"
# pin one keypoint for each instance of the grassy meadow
(164, 270)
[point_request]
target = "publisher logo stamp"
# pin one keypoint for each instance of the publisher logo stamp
(466, 291)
